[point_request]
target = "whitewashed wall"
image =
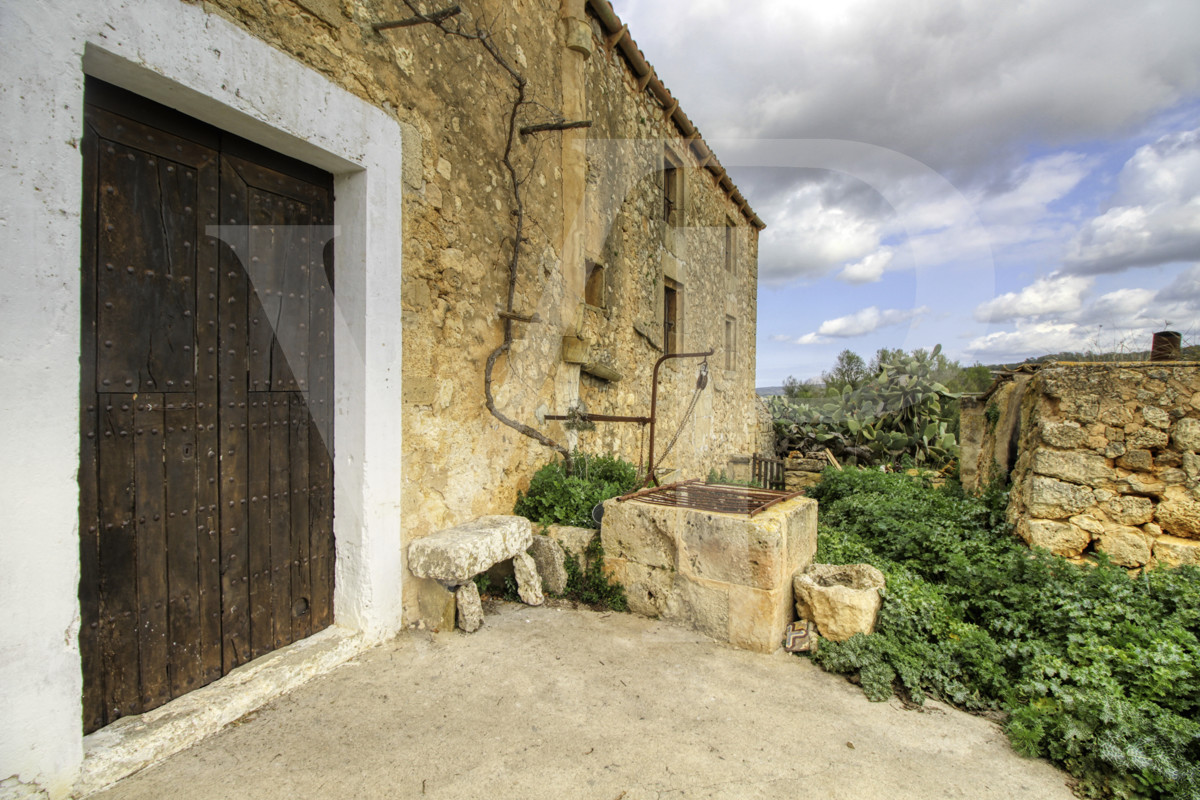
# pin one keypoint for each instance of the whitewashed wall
(180, 56)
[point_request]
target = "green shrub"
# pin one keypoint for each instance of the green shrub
(1098, 671)
(556, 497)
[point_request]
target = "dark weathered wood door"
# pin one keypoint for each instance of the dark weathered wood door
(206, 474)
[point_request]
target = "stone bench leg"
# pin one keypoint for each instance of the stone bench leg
(470, 610)
(529, 583)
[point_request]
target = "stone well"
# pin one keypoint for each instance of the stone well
(726, 575)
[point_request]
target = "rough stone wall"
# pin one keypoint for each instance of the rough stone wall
(625, 232)
(1109, 460)
(590, 196)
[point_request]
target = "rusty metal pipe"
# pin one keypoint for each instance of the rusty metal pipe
(601, 418)
(654, 406)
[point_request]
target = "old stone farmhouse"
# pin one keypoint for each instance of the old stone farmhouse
(260, 292)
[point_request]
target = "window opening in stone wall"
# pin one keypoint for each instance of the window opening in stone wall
(671, 176)
(730, 343)
(670, 316)
(593, 290)
(730, 256)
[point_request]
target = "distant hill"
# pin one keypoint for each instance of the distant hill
(769, 391)
(1188, 353)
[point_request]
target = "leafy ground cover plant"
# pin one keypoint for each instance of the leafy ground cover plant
(559, 497)
(1096, 670)
(591, 585)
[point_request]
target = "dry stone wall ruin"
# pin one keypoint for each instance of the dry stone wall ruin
(1104, 457)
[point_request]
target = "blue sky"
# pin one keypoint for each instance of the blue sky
(1005, 179)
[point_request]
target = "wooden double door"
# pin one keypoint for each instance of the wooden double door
(206, 431)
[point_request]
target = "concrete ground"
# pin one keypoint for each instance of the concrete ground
(556, 703)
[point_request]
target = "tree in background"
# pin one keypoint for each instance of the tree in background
(849, 370)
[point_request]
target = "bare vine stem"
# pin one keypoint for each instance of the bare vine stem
(521, 85)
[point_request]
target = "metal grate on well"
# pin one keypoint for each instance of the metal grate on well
(712, 497)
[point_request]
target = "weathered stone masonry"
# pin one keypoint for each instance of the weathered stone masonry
(1104, 457)
(594, 203)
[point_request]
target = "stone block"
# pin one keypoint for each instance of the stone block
(575, 350)
(1129, 510)
(1086, 468)
(1088, 523)
(1117, 416)
(1156, 417)
(573, 540)
(455, 555)
(841, 600)
(1169, 458)
(757, 618)
(1179, 515)
(800, 517)
(702, 608)
(551, 563)
(1060, 538)
(1185, 435)
(1173, 477)
(579, 36)
(639, 532)
(795, 480)
(1139, 484)
(1054, 499)
(470, 610)
(529, 583)
(1127, 547)
(1146, 439)
(805, 464)
(435, 605)
(732, 549)
(1191, 466)
(1175, 552)
(1065, 435)
(649, 590)
(1136, 460)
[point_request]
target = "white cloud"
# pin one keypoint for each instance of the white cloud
(1185, 287)
(1123, 308)
(811, 338)
(1053, 294)
(870, 269)
(1154, 217)
(808, 237)
(868, 320)
(1039, 338)
(953, 84)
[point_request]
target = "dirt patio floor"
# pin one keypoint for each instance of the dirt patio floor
(563, 704)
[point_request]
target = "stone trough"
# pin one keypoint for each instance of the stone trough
(726, 575)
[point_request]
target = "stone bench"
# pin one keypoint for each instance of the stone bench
(456, 555)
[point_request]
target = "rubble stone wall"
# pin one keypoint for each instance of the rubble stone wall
(1108, 459)
(592, 197)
